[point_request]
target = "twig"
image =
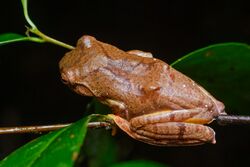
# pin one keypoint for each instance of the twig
(232, 120)
(221, 120)
(46, 128)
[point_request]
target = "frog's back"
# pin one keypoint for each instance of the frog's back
(142, 84)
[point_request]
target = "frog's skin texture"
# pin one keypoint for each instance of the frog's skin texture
(151, 101)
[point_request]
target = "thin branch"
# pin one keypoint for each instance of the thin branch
(232, 120)
(46, 128)
(221, 120)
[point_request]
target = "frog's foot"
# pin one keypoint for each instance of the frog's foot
(125, 126)
(140, 53)
(168, 134)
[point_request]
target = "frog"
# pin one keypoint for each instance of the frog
(150, 100)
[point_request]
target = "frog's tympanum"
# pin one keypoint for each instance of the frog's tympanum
(151, 101)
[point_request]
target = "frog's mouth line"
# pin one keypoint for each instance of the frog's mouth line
(81, 90)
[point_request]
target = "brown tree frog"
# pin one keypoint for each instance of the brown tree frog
(151, 101)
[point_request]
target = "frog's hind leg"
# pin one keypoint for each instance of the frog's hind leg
(140, 53)
(176, 134)
(170, 128)
(197, 116)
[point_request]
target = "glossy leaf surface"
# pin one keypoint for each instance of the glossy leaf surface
(58, 148)
(223, 70)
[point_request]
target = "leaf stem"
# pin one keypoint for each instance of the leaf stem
(46, 38)
(26, 14)
(33, 28)
(35, 39)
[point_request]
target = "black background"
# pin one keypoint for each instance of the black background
(31, 90)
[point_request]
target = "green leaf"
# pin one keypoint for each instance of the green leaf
(12, 37)
(102, 149)
(138, 163)
(58, 148)
(223, 70)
